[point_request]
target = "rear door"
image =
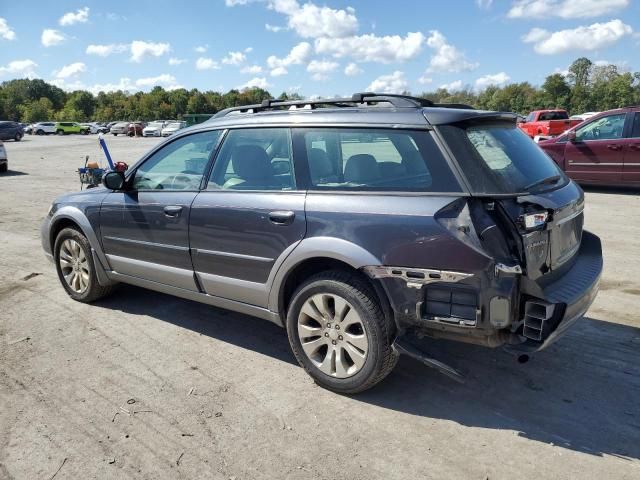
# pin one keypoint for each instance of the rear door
(596, 156)
(631, 169)
(249, 217)
(145, 229)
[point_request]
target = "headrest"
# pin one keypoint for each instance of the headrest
(251, 162)
(361, 168)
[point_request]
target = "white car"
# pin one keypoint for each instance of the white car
(95, 127)
(4, 163)
(154, 129)
(583, 116)
(172, 128)
(43, 128)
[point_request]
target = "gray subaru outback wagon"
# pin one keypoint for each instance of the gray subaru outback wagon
(354, 223)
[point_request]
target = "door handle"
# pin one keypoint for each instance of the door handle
(172, 210)
(635, 146)
(280, 217)
(613, 146)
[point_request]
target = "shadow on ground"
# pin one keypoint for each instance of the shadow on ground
(12, 173)
(612, 190)
(582, 393)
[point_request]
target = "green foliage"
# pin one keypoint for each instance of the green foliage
(586, 87)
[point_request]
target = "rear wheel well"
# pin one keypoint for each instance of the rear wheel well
(313, 266)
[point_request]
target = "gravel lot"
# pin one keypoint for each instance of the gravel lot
(143, 385)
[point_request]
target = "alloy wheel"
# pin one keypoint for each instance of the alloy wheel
(332, 335)
(74, 265)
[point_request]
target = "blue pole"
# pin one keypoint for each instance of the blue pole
(106, 152)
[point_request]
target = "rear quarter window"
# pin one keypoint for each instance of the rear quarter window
(368, 159)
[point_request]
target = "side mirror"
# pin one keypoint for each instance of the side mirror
(571, 136)
(113, 180)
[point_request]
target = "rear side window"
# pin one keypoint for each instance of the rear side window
(254, 159)
(375, 160)
(635, 133)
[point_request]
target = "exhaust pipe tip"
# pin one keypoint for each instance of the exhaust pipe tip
(522, 359)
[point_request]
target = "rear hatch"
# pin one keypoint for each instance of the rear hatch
(517, 188)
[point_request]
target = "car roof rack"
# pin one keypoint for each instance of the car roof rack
(364, 98)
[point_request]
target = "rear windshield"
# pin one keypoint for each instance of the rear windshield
(501, 159)
(546, 116)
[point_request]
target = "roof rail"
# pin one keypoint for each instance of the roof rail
(364, 98)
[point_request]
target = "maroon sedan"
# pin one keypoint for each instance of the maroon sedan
(603, 150)
(135, 129)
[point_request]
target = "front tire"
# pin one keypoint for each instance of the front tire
(18, 137)
(60, 132)
(40, 132)
(339, 334)
(75, 267)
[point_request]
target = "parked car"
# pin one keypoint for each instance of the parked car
(43, 128)
(111, 124)
(11, 131)
(356, 228)
(583, 116)
(65, 128)
(603, 150)
(172, 128)
(547, 123)
(4, 161)
(120, 128)
(135, 129)
(27, 128)
(95, 128)
(154, 129)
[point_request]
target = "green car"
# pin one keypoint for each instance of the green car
(62, 128)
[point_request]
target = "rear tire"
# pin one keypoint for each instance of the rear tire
(339, 334)
(60, 132)
(40, 132)
(75, 267)
(4, 167)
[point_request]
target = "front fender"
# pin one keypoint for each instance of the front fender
(318, 247)
(79, 217)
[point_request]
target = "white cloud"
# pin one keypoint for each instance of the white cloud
(71, 70)
(233, 3)
(321, 69)
(312, 21)
(592, 37)
(6, 31)
(125, 84)
(446, 57)
(51, 37)
(106, 50)
(234, 58)
(454, 86)
(203, 63)
(297, 56)
(19, 68)
(352, 70)
(565, 8)
(371, 48)
(257, 82)
(394, 83)
(165, 80)
(201, 48)
(484, 4)
(141, 49)
(425, 79)
(176, 61)
(252, 69)
(497, 80)
(70, 18)
(273, 28)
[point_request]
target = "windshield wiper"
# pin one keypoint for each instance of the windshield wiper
(545, 181)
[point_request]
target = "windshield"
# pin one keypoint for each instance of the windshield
(155, 124)
(174, 125)
(501, 159)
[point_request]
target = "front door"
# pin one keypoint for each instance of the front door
(596, 155)
(145, 229)
(249, 217)
(631, 171)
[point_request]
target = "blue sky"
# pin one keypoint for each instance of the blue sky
(322, 47)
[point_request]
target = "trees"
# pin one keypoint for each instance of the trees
(586, 87)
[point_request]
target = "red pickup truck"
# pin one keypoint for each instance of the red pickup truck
(547, 123)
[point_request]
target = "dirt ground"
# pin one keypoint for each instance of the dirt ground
(144, 385)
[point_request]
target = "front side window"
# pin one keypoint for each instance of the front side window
(498, 158)
(179, 165)
(375, 160)
(254, 159)
(610, 127)
(635, 132)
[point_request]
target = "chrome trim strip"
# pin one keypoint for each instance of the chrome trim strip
(596, 164)
(147, 244)
(230, 254)
(570, 217)
(415, 277)
(164, 274)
